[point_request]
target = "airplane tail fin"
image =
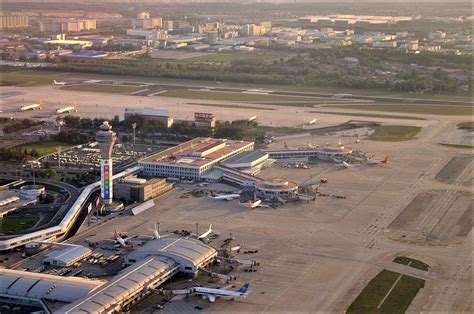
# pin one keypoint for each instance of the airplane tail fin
(250, 204)
(244, 288)
(210, 228)
(385, 160)
(116, 234)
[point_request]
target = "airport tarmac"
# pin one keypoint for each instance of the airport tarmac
(320, 255)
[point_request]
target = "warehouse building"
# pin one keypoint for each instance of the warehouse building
(192, 159)
(125, 289)
(249, 162)
(158, 115)
(133, 189)
(190, 254)
(23, 287)
(67, 256)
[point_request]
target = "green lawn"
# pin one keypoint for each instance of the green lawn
(46, 147)
(395, 133)
(229, 96)
(233, 56)
(17, 223)
(402, 295)
(458, 145)
(419, 109)
(411, 262)
(97, 88)
(466, 125)
(29, 78)
(231, 106)
(370, 115)
(397, 301)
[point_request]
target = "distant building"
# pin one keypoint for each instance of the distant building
(132, 189)
(66, 26)
(212, 37)
(161, 116)
(13, 21)
(145, 21)
(436, 35)
(385, 44)
(204, 119)
(70, 43)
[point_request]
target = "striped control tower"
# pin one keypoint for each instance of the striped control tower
(106, 139)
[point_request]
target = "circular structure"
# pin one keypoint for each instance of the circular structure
(32, 192)
(277, 187)
(329, 152)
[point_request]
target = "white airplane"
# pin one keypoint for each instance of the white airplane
(256, 204)
(58, 83)
(123, 242)
(156, 235)
(343, 95)
(212, 294)
(205, 234)
(68, 109)
(377, 162)
(226, 197)
(344, 165)
(38, 105)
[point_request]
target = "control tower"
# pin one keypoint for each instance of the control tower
(106, 139)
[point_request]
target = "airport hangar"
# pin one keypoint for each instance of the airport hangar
(155, 262)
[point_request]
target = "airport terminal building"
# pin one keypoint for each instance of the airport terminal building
(192, 159)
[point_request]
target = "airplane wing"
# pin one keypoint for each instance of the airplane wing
(211, 297)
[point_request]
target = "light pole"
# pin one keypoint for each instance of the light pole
(134, 126)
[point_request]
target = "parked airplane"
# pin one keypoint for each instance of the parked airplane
(344, 165)
(58, 83)
(226, 197)
(205, 234)
(68, 109)
(256, 204)
(122, 241)
(38, 105)
(377, 162)
(343, 95)
(212, 294)
(156, 235)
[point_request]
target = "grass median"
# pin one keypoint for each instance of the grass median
(45, 148)
(388, 292)
(411, 262)
(395, 133)
(99, 88)
(14, 224)
(229, 96)
(450, 110)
